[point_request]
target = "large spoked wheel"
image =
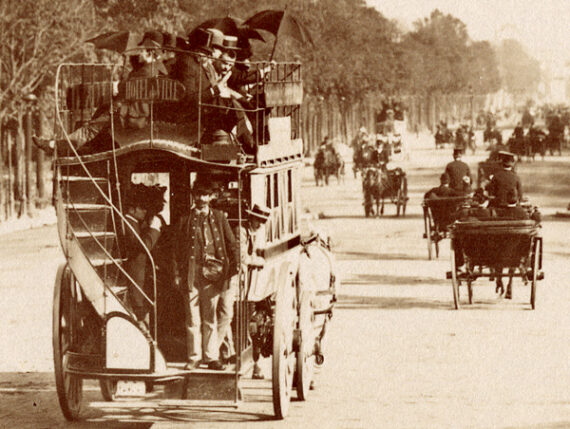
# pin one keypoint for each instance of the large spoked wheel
(535, 269)
(427, 223)
(69, 387)
(108, 389)
(454, 280)
(283, 367)
(305, 354)
(402, 197)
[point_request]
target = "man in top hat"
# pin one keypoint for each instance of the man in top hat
(505, 182)
(458, 173)
(206, 256)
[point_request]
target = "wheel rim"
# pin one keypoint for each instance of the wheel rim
(108, 389)
(428, 236)
(305, 355)
(69, 387)
(283, 355)
(454, 283)
(534, 275)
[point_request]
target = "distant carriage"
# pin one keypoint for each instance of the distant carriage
(379, 184)
(328, 163)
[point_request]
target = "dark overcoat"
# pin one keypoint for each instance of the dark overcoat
(188, 250)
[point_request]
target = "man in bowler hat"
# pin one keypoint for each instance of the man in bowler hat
(204, 235)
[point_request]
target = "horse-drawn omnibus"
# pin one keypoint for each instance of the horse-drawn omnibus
(96, 334)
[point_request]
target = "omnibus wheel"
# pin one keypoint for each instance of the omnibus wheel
(535, 269)
(283, 364)
(69, 387)
(108, 389)
(305, 354)
(454, 281)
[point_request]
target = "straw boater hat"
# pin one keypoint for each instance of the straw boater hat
(507, 158)
(259, 213)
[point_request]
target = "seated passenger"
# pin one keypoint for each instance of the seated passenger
(511, 210)
(205, 73)
(95, 135)
(443, 190)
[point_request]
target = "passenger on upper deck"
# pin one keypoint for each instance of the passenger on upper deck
(206, 74)
(95, 135)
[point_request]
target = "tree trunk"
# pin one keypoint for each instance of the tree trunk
(40, 170)
(28, 160)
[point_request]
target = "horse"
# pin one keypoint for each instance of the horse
(327, 163)
(376, 186)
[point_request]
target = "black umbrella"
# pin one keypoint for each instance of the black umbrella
(231, 26)
(117, 41)
(279, 22)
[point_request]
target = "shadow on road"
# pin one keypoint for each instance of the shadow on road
(371, 256)
(386, 279)
(358, 302)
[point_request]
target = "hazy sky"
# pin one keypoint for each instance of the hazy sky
(543, 26)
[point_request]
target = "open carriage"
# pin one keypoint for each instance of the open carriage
(489, 247)
(96, 334)
(379, 184)
(438, 216)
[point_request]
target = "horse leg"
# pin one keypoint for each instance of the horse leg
(509, 293)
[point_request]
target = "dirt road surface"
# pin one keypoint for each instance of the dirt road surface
(398, 355)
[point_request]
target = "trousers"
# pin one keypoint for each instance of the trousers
(208, 314)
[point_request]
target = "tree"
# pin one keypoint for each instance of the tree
(519, 71)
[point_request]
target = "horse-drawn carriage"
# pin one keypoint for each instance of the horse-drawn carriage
(328, 162)
(489, 247)
(380, 184)
(96, 334)
(438, 216)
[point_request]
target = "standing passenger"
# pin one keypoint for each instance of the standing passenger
(206, 257)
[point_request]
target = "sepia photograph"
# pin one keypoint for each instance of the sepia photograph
(340, 214)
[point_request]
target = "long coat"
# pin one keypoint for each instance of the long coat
(456, 171)
(188, 251)
(504, 183)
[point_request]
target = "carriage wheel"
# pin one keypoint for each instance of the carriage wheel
(454, 281)
(535, 268)
(283, 365)
(427, 223)
(305, 355)
(69, 387)
(108, 389)
(405, 195)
